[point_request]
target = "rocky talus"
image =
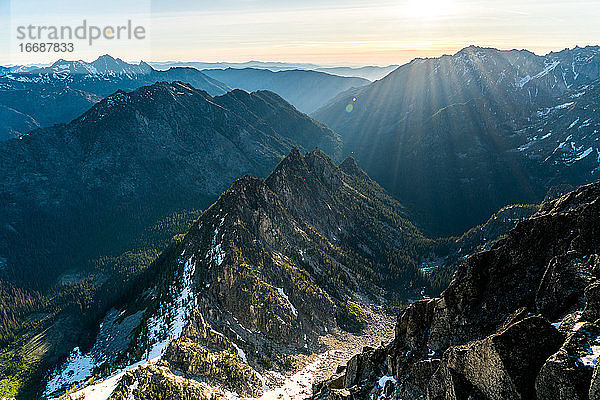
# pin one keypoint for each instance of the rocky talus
(518, 321)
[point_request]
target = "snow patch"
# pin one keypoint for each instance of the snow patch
(591, 359)
(289, 303)
(524, 81)
(132, 390)
(429, 267)
(231, 395)
(216, 253)
(381, 383)
(557, 323)
(584, 154)
(102, 390)
(384, 379)
(77, 367)
(240, 353)
(547, 70)
(573, 124)
(163, 328)
(563, 106)
(161, 332)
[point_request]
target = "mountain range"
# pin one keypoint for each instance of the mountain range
(448, 136)
(174, 241)
(63, 91)
(369, 72)
(136, 156)
(306, 90)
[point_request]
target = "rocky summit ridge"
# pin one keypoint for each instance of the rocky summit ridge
(267, 271)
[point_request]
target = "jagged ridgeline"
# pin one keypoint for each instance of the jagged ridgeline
(270, 267)
(518, 321)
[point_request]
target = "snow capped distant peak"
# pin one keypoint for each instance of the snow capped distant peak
(102, 66)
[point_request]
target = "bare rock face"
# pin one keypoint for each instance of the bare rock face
(567, 373)
(446, 384)
(416, 379)
(591, 312)
(336, 382)
(363, 366)
(340, 394)
(413, 324)
(503, 366)
(595, 385)
(563, 284)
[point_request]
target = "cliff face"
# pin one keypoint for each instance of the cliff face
(518, 321)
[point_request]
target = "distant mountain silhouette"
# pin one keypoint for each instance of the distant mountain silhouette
(306, 90)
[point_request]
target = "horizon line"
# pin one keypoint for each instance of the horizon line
(307, 63)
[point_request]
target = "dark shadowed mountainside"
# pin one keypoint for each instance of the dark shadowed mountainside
(446, 135)
(131, 159)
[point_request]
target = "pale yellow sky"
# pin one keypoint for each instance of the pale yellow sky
(324, 32)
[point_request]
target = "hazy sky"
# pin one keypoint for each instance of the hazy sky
(326, 31)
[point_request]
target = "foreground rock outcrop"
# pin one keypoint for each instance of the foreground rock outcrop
(518, 321)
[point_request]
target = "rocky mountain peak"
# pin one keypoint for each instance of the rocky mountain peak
(159, 98)
(107, 61)
(350, 167)
(303, 189)
(247, 192)
(108, 65)
(323, 167)
(292, 169)
(262, 276)
(316, 168)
